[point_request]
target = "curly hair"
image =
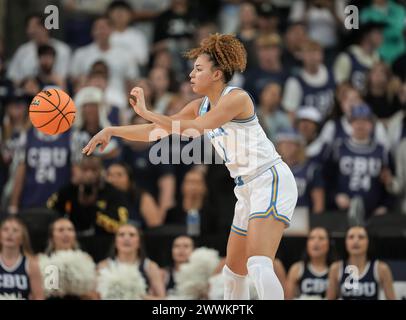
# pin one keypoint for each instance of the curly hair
(225, 51)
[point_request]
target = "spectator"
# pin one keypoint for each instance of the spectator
(393, 15)
(324, 19)
(268, 18)
(294, 38)
(93, 206)
(166, 35)
(129, 249)
(19, 270)
(78, 16)
(158, 179)
(307, 173)
(182, 248)
(308, 124)
(14, 125)
(182, 98)
(357, 163)
(193, 197)
(354, 64)
(397, 123)
(129, 39)
(248, 30)
(174, 30)
(143, 209)
(92, 116)
(46, 76)
(113, 100)
(44, 165)
(145, 12)
(313, 86)
(100, 71)
(339, 127)
(228, 16)
(309, 277)
(373, 274)
(272, 118)
(25, 61)
(269, 69)
(381, 91)
(121, 68)
(396, 185)
(161, 86)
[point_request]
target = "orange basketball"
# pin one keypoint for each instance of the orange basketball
(52, 111)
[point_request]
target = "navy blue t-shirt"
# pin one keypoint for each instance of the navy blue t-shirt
(48, 167)
(320, 97)
(357, 171)
(358, 75)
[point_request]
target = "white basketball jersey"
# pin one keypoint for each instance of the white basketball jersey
(242, 143)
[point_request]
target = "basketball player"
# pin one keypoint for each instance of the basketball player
(19, 271)
(309, 277)
(265, 187)
(358, 277)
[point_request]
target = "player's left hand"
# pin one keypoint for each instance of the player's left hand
(137, 101)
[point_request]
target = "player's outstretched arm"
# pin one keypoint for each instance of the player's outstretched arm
(139, 132)
(230, 107)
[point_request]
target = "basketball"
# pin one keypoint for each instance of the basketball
(52, 111)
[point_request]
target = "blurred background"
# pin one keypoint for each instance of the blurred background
(332, 100)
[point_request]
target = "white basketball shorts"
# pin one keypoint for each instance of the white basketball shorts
(271, 194)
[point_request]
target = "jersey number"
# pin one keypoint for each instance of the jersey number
(45, 174)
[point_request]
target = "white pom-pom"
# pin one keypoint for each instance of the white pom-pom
(120, 281)
(74, 270)
(192, 280)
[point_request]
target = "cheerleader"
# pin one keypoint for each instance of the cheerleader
(20, 276)
(309, 277)
(358, 277)
(64, 252)
(128, 250)
(182, 248)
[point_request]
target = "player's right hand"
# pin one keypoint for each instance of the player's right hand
(102, 138)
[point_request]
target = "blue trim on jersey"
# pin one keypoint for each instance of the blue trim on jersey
(245, 120)
(238, 230)
(271, 210)
(206, 103)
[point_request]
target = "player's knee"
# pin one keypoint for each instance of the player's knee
(230, 274)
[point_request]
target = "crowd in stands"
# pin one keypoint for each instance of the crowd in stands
(331, 99)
